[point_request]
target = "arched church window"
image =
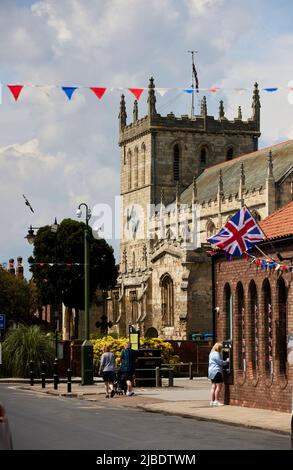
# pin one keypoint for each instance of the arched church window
(135, 168)
(167, 300)
(211, 228)
(176, 162)
(255, 215)
(134, 306)
(133, 260)
(143, 164)
(230, 153)
(203, 156)
(129, 169)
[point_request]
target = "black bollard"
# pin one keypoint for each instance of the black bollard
(190, 371)
(171, 377)
(32, 372)
(43, 374)
(69, 373)
(55, 375)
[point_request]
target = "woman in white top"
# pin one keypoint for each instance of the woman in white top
(215, 373)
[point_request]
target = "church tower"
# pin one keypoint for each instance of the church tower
(159, 154)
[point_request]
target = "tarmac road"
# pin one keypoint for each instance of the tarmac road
(42, 421)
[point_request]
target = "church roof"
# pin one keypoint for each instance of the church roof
(280, 223)
(255, 168)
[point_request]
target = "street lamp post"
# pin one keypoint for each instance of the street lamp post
(54, 228)
(31, 238)
(87, 376)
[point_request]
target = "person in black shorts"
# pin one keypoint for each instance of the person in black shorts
(128, 358)
(107, 368)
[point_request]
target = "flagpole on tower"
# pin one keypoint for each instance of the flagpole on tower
(194, 82)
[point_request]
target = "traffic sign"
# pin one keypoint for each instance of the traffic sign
(2, 321)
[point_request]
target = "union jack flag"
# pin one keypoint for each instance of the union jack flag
(239, 234)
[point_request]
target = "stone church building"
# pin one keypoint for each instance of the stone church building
(181, 179)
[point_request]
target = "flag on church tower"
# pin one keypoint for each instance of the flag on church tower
(239, 234)
(195, 77)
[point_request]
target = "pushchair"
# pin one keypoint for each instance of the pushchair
(119, 384)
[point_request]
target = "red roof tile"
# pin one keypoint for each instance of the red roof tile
(280, 223)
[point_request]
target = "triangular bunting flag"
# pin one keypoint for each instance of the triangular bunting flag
(241, 91)
(188, 90)
(136, 92)
(99, 92)
(15, 90)
(270, 89)
(213, 89)
(46, 89)
(162, 91)
(69, 90)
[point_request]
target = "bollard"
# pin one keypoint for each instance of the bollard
(157, 377)
(69, 372)
(43, 374)
(55, 375)
(190, 371)
(32, 372)
(171, 377)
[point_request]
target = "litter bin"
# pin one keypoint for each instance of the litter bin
(146, 363)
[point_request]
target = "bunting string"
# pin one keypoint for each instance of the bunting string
(263, 263)
(16, 90)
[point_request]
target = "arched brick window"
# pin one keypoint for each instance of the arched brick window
(240, 325)
(253, 310)
(176, 162)
(167, 299)
(228, 311)
(281, 333)
(268, 326)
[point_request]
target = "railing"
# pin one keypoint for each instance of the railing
(169, 371)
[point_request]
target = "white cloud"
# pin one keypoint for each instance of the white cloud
(202, 7)
(59, 152)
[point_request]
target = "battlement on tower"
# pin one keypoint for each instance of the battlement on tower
(202, 123)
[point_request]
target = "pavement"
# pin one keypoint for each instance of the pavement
(187, 398)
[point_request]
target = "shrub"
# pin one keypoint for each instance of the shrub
(116, 346)
(25, 344)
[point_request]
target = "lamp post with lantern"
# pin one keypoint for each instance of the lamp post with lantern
(87, 375)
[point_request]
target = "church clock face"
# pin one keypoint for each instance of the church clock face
(133, 221)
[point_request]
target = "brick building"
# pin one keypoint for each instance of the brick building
(254, 311)
(173, 168)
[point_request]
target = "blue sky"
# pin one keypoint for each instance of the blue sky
(61, 153)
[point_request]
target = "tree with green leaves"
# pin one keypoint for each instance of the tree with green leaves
(62, 281)
(17, 299)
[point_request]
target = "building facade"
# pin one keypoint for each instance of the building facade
(254, 315)
(181, 178)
